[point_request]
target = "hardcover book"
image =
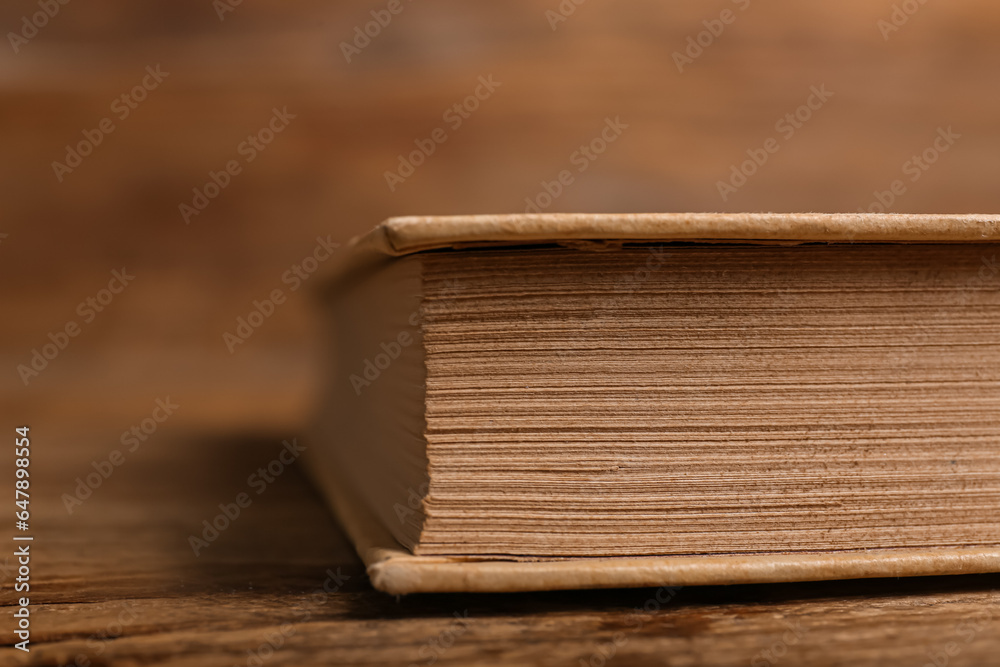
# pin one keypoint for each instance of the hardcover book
(534, 402)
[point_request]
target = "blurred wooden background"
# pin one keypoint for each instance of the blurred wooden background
(324, 174)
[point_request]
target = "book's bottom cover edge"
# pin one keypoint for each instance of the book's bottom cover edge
(396, 571)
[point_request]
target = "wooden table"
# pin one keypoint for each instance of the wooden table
(117, 583)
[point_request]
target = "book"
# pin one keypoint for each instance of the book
(533, 402)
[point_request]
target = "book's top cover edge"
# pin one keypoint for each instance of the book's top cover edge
(405, 235)
(401, 236)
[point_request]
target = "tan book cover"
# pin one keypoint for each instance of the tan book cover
(346, 476)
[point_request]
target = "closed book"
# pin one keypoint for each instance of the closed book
(533, 402)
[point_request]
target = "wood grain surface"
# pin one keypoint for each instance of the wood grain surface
(117, 583)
